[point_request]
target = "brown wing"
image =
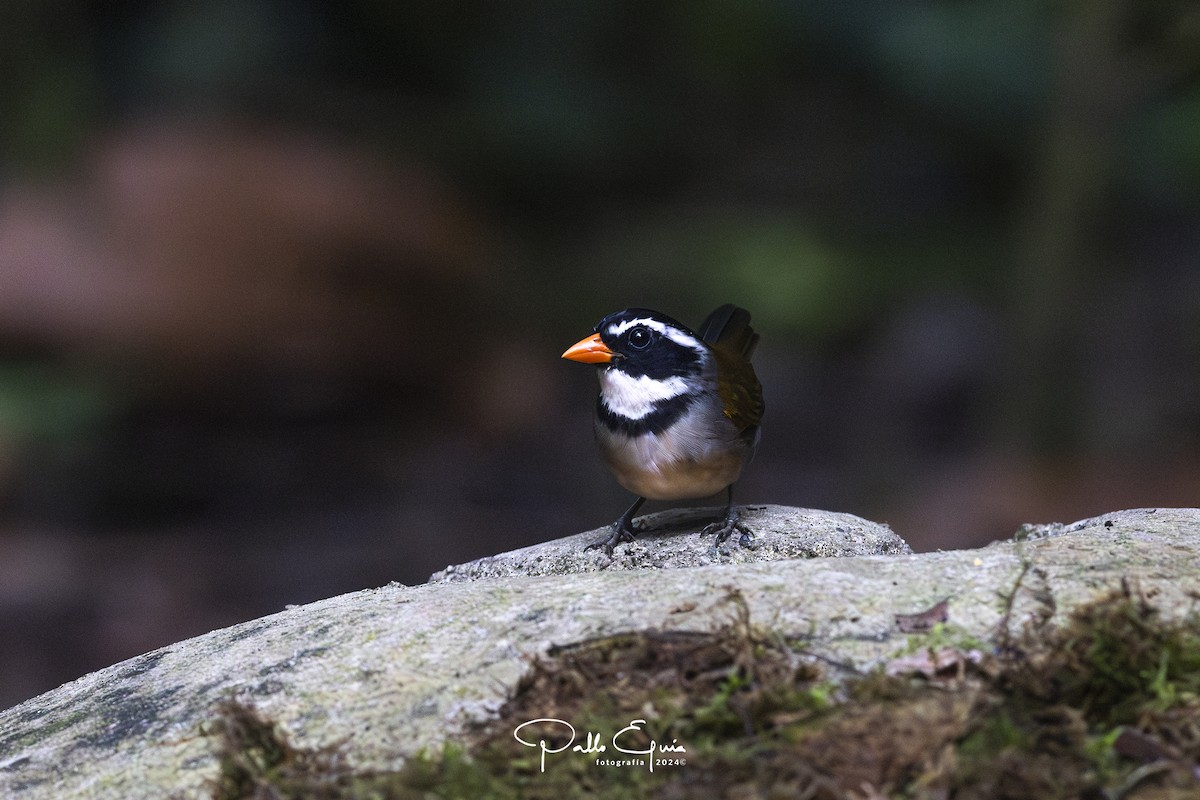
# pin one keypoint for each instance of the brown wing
(740, 390)
(727, 331)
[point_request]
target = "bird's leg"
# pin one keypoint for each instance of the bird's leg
(622, 529)
(730, 522)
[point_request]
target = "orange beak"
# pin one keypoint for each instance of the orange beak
(589, 351)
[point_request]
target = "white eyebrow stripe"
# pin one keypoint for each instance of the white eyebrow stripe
(674, 334)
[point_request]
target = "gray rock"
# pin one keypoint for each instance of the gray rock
(672, 539)
(392, 670)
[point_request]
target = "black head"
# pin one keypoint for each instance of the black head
(645, 342)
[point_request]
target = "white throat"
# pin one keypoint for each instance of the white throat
(634, 398)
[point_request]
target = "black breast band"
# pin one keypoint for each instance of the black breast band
(664, 414)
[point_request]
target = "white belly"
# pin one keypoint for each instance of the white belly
(674, 465)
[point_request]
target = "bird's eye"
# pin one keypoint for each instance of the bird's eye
(639, 338)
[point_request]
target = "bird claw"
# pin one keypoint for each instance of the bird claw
(725, 528)
(619, 534)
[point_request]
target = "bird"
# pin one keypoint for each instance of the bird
(679, 412)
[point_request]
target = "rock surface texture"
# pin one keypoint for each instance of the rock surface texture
(672, 539)
(392, 670)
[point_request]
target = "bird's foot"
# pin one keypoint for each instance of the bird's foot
(622, 531)
(725, 527)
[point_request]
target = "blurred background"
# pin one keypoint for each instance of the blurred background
(284, 285)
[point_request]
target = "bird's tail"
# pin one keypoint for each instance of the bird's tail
(728, 327)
